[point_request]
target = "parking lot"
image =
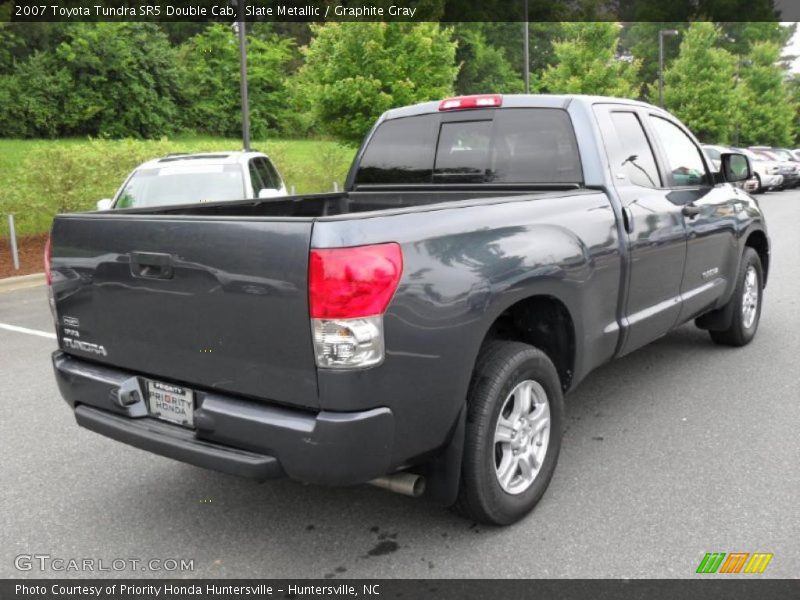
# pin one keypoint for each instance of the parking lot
(680, 449)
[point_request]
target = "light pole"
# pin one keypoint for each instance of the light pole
(526, 44)
(243, 76)
(661, 34)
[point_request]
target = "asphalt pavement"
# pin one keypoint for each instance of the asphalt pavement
(679, 449)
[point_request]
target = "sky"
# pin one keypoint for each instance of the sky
(794, 49)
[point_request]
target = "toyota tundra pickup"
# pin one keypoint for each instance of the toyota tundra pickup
(418, 330)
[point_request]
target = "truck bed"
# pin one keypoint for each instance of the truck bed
(344, 203)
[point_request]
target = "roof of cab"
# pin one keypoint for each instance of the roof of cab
(520, 101)
(200, 158)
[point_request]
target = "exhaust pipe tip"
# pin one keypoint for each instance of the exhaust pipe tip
(407, 484)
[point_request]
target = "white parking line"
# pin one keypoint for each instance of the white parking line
(43, 334)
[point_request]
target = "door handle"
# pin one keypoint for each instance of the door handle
(690, 210)
(151, 265)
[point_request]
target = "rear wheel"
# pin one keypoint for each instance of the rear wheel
(513, 433)
(746, 303)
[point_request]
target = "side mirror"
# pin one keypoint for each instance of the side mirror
(104, 204)
(268, 193)
(735, 167)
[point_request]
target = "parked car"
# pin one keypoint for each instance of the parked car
(789, 167)
(767, 172)
(419, 330)
(714, 153)
(785, 154)
(193, 178)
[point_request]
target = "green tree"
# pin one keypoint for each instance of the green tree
(766, 109)
(793, 85)
(483, 67)
(739, 36)
(356, 71)
(586, 62)
(210, 65)
(699, 84)
(108, 79)
(508, 38)
(641, 40)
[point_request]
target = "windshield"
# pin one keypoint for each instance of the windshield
(782, 154)
(182, 185)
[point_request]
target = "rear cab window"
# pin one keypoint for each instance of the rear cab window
(462, 154)
(503, 146)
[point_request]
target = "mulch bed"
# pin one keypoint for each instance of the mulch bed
(31, 255)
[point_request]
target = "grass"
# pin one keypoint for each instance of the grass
(40, 178)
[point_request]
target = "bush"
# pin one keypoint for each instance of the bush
(43, 178)
(32, 99)
(56, 178)
(311, 166)
(106, 79)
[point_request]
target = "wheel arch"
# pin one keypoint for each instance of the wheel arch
(758, 241)
(544, 321)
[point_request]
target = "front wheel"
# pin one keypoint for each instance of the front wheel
(515, 414)
(746, 303)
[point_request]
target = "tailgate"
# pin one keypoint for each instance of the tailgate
(208, 302)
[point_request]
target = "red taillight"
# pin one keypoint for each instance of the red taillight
(462, 102)
(346, 283)
(47, 276)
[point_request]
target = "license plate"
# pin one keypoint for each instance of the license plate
(171, 403)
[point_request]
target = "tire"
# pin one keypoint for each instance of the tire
(503, 373)
(745, 319)
(759, 187)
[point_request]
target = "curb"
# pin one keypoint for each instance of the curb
(9, 284)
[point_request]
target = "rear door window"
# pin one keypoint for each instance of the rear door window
(269, 177)
(632, 154)
(276, 177)
(255, 177)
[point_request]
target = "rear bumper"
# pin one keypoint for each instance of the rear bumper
(233, 435)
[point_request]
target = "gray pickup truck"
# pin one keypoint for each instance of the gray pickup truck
(419, 330)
